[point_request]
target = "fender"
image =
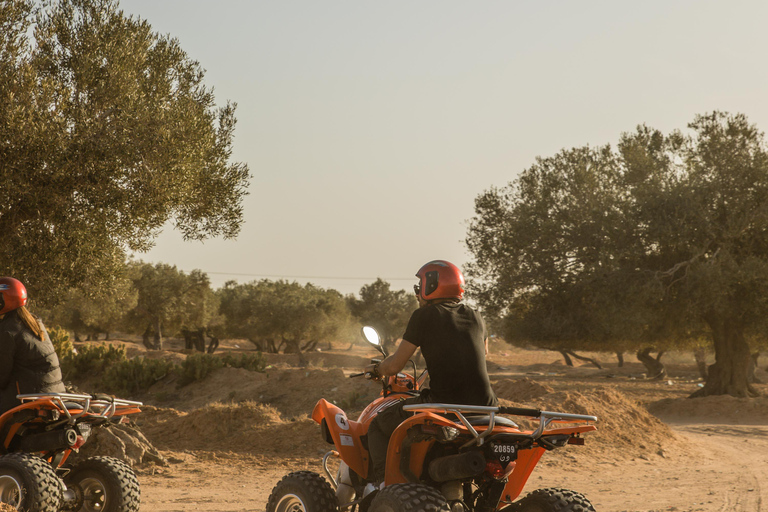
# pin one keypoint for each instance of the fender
(345, 434)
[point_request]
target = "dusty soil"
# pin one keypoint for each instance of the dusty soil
(231, 437)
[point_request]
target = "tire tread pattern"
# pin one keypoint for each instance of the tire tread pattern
(47, 494)
(554, 500)
(318, 493)
(130, 491)
(410, 497)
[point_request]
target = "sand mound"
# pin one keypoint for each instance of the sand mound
(520, 390)
(122, 442)
(244, 427)
(292, 391)
(625, 429)
(712, 409)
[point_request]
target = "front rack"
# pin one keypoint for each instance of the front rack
(545, 417)
(94, 405)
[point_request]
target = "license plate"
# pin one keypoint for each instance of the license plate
(504, 453)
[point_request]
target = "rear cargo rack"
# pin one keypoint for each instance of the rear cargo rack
(545, 417)
(95, 405)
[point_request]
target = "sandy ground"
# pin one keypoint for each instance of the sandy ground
(704, 455)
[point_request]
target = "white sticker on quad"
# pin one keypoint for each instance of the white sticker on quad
(346, 440)
(342, 422)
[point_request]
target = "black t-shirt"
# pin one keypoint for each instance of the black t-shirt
(452, 340)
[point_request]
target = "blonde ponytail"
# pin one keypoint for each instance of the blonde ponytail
(31, 322)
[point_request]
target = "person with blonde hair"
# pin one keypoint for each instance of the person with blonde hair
(28, 361)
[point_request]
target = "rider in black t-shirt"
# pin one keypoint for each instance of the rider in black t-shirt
(454, 344)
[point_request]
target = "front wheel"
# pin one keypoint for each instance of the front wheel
(409, 498)
(302, 491)
(553, 500)
(28, 483)
(107, 485)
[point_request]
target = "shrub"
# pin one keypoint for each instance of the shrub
(197, 367)
(92, 360)
(135, 375)
(253, 362)
(61, 342)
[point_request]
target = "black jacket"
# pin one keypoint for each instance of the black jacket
(27, 364)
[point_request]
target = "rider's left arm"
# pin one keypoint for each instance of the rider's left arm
(397, 361)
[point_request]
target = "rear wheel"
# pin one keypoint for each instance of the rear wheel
(409, 498)
(106, 484)
(28, 483)
(553, 500)
(302, 491)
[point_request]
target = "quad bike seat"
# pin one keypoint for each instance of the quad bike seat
(484, 420)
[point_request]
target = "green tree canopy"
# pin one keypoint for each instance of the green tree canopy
(99, 310)
(107, 132)
(169, 300)
(282, 315)
(386, 310)
(661, 240)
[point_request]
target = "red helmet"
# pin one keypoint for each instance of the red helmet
(440, 279)
(13, 294)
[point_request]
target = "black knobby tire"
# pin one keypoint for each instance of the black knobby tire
(409, 498)
(302, 491)
(107, 485)
(554, 500)
(28, 483)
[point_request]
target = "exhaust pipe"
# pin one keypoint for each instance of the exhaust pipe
(49, 441)
(457, 467)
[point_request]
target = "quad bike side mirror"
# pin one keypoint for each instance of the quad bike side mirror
(371, 335)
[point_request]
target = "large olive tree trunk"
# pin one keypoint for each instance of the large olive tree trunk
(729, 375)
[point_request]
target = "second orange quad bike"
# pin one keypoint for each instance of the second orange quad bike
(36, 440)
(444, 458)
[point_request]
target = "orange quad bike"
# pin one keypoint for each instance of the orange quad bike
(36, 439)
(444, 458)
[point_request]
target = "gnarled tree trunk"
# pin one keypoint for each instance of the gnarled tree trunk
(729, 375)
(655, 367)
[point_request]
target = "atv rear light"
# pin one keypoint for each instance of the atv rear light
(497, 471)
(578, 441)
(84, 431)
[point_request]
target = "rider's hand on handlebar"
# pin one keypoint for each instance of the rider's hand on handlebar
(372, 372)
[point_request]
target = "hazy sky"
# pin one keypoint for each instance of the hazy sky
(371, 127)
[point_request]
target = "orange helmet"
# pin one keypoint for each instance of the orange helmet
(13, 294)
(439, 279)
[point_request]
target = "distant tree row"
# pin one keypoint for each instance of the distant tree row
(159, 300)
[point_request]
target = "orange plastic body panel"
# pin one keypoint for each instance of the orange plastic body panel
(345, 434)
(526, 461)
(418, 450)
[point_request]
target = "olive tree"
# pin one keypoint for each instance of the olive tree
(169, 301)
(283, 316)
(107, 133)
(660, 241)
(386, 310)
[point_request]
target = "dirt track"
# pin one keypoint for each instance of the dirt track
(709, 454)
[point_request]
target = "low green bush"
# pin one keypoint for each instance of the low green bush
(253, 362)
(197, 367)
(135, 375)
(61, 342)
(92, 360)
(114, 373)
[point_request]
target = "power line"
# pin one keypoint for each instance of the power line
(339, 278)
